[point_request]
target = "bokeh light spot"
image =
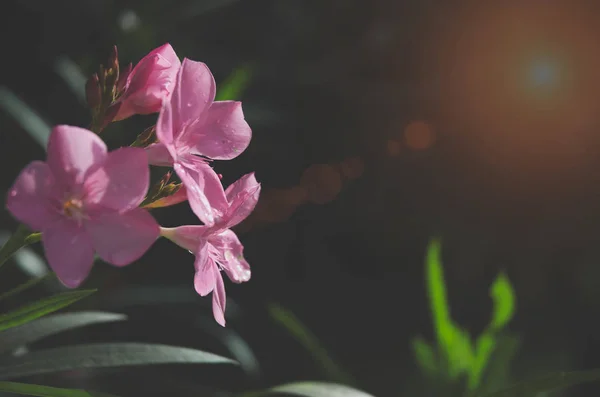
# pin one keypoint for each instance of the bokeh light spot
(419, 135)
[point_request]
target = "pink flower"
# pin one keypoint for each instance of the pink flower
(217, 247)
(84, 201)
(149, 83)
(191, 124)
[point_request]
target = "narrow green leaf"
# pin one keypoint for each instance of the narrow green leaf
(40, 308)
(483, 351)
(29, 120)
(26, 285)
(460, 352)
(425, 356)
(503, 296)
(20, 238)
(546, 383)
(436, 291)
(103, 355)
(497, 372)
(312, 389)
(47, 391)
(233, 87)
(290, 322)
(51, 325)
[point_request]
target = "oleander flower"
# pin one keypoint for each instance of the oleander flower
(85, 200)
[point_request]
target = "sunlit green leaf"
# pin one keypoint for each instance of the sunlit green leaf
(460, 352)
(289, 321)
(312, 389)
(47, 391)
(425, 356)
(103, 355)
(503, 296)
(40, 308)
(234, 86)
(53, 324)
(546, 383)
(484, 348)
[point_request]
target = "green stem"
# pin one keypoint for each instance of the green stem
(19, 239)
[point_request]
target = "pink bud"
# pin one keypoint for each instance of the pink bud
(149, 83)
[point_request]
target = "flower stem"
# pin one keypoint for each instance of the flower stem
(19, 239)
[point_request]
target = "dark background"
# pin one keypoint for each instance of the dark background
(507, 174)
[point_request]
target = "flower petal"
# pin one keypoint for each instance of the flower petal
(204, 278)
(122, 182)
(149, 83)
(204, 190)
(223, 135)
(33, 198)
(193, 94)
(231, 256)
(158, 154)
(242, 196)
(189, 237)
(120, 239)
(74, 153)
(219, 298)
(69, 252)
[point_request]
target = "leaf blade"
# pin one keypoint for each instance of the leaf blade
(103, 355)
(40, 308)
(47, 391)
(312, 389)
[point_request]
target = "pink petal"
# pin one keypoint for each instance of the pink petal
(231, 256)
(223, 135)
(204, 278)
(187, 237)
(74, 153)
(120, 239)
(33, 198)
(122, 182)
(69, 252)
(158, 154)
(193, 94)
(219, 298)
(204, 190)
(242, 197)
(149, 83)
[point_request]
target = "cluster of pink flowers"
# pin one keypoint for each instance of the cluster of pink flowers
(86, 201)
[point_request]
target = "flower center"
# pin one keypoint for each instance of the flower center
(73, 208)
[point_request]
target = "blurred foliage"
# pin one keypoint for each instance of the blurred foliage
(456, 355)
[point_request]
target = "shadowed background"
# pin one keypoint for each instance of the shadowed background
(475, 123)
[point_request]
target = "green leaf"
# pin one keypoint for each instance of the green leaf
(312, 389)
(459, 352)
(26, 285)
(47, 391)
(425, 356)
(504, 302)
(103, 355)
(53, 324)
(484, 348)
(233, 87)
(40, 308)
(19, 239)
(546, 383)
(290, 322)
(497, 373)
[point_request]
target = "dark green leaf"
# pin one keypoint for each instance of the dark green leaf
(547, 383)
(20, 238)
(26, 285)
(504, 302)
(47, 391)
(40, 308)
(103, 355)
(312, 389)
(497, 373)
(53, 324)
(425, 356)
(306, 338)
